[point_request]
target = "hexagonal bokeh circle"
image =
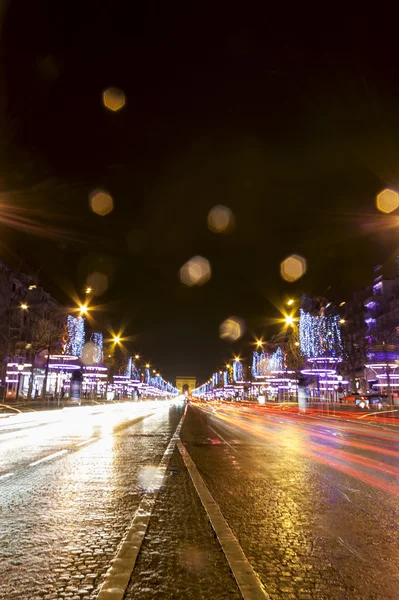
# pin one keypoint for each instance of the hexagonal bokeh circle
(293, 267)
(101, 202)
(387, 201)
(114, 99)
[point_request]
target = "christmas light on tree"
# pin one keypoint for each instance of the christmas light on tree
(129, 367)
(97, 339)
(225, 378)
(76, 336)
(238, 371)
(319, 335)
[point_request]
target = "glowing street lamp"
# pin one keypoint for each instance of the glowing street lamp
(116, 339)
(89, 290)
(83, 309)
(290, 302)
(137, 356)
(147, 365)
(24, 306)
(289, 320)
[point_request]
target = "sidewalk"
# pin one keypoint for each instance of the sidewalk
(180, 557)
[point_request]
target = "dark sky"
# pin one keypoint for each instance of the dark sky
(289, 119)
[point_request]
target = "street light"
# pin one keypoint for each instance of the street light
(147, 365)
(137, 356)
(83, 309)
(289, 320)
(342, 321)
(89, 290)
(290, 302)
(259, 343)
(116, 339)
(24, 306)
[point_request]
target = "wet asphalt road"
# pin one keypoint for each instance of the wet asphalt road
(62, 519)
(312, 501)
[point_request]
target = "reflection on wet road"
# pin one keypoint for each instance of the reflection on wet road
(313, 501)
(71, 488)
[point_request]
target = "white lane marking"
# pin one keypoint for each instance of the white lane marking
(222, 438)
(350, 549)
(119, 574)
(62, 452)
(250, 586)
(93, 439)
(345, 496)
(6, 475)
(49, 457)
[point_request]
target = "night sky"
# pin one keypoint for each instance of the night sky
(291, 120)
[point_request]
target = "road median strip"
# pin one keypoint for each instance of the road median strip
(118, 576)
(247, 580)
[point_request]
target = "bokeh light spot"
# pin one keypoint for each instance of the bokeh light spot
(220, 219)
(150, 478)
(196, 271)
(89, 353)
(114, 99)
(293, 267)
(98, 283)
(387, 201)
(101, 202)
(193, 559)
(232, 329)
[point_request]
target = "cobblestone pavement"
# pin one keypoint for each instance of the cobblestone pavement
(309, 529)
(29, 437)
(180, 557)
(61, 521)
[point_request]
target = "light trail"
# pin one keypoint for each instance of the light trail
(368, 470)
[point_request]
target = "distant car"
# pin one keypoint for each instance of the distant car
(363, 401)
(377, 401)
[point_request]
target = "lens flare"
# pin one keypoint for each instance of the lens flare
(232, 329)
(101, 202)
(293, 267)
(150, 479)
(220, 219)
(97, 283)
(387, 201)
(114, 99)
(196, 271)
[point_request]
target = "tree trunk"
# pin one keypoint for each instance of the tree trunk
(46, 375)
